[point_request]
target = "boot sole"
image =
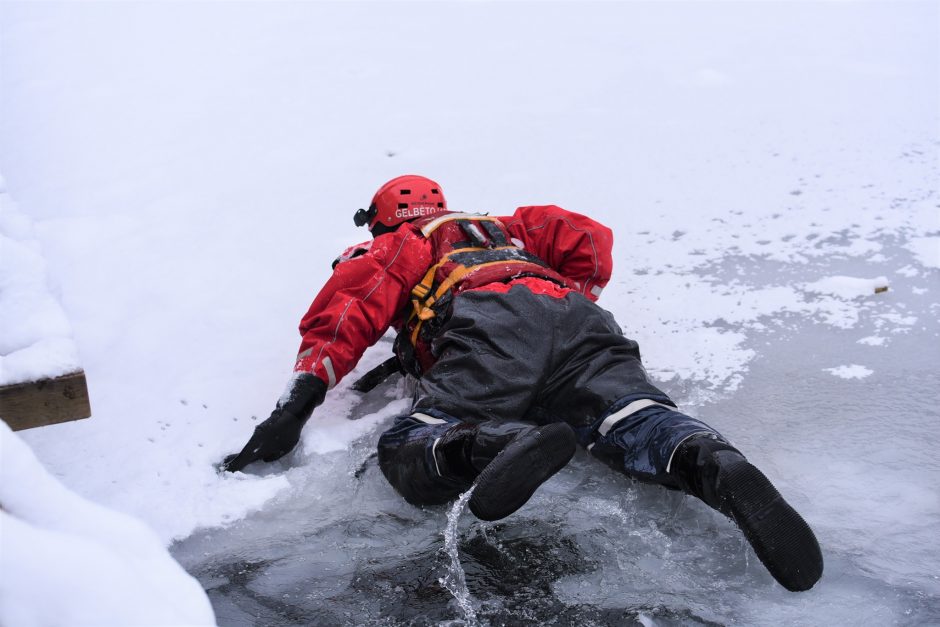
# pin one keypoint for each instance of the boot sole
(782, 540)
(507, 482)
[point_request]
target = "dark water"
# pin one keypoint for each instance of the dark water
(856, 456)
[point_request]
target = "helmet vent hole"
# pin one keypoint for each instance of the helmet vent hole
(441, 205)
(405, 192)
(435, 191)
(402, 205)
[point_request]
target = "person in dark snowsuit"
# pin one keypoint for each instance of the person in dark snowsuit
(515, 366)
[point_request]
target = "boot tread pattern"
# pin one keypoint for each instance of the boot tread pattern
(782, 540)
(507, 483)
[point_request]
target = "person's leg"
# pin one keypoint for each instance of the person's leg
(639, 437)
(430, 459)
(718, 474)
(406, 458)
(640, 432)
(467, 409)
(598, 385)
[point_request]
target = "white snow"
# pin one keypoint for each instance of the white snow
(67, 561)
(926, 249)
(190, 171)
(873, 340)
(35, 336)
(852, 371)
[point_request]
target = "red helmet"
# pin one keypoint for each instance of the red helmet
(401, 199)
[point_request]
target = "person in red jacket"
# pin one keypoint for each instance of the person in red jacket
(515, 365)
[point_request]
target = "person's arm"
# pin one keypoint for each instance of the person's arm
(359, 303)
(574, 245)
(352, 311)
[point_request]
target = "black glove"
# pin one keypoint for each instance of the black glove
(279, 434)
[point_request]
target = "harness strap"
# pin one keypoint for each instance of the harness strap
(473, 232)
(496, 235)
(488, 247)
(471, 257)
(424, 310)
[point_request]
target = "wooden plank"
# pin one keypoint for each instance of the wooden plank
(45, 402)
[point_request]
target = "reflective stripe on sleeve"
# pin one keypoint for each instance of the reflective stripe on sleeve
(630, 409)
(328, 366)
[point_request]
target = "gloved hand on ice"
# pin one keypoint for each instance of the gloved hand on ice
(280, 433)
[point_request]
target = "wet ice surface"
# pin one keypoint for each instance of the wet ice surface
(855, 456)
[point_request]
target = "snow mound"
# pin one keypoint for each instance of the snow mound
(67, 561)
(35, 336)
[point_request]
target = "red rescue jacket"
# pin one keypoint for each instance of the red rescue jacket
(406, 279)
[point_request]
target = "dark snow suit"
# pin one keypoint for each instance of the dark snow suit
(515, 338)
(535, 358)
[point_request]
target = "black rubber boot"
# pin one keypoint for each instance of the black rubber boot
(719, 475)
(509, 460)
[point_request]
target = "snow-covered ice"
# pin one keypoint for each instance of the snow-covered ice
(191, 170)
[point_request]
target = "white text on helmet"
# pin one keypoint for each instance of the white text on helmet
(418, 211)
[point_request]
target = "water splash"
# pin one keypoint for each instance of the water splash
(454, 579)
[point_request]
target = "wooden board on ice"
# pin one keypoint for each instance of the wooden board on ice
(45, 402)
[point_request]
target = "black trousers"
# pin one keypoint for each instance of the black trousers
(519, 356)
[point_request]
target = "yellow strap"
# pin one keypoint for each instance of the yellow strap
(422, 289)
(421, 301)
(461, 270)
(426, 313)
